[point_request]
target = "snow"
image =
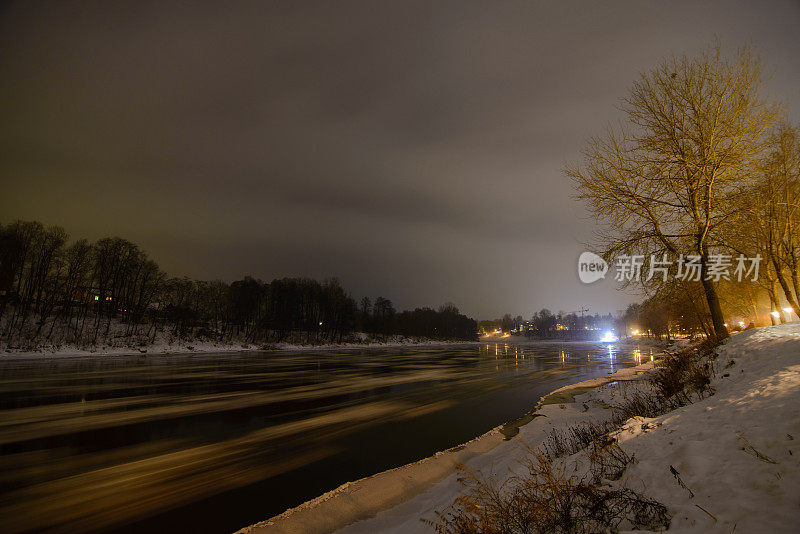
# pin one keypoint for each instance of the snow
(723, 446)
(736, 451)
(167, 344)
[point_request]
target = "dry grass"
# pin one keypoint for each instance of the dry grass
(608, 461)
(547, 501)
(560, 443)
(683, 373)
(678, 380)
(646, 404)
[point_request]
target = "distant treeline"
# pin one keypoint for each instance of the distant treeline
(545, 324)
(83, 293)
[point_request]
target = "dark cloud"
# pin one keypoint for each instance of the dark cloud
(413, 149)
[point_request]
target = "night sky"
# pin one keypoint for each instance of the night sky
(413, 150)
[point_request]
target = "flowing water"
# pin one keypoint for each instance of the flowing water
(215, 442)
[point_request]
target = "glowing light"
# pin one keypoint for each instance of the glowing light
(608, 337)
(776, 314)
(787, 310)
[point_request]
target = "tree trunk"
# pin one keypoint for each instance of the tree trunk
(717, 319)
(774, 305)
(787, 291)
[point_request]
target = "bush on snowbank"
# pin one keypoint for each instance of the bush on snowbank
(547, 500)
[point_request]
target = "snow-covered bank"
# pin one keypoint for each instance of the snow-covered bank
(728, 462)
(166, 345)
(738, 451)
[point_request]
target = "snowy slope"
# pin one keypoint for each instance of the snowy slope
(737, 451)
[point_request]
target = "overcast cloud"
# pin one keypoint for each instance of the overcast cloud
(413, 150)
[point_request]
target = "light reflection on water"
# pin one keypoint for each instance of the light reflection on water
(150, 443)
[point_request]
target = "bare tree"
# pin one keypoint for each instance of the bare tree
(664, 180)
(777, 211)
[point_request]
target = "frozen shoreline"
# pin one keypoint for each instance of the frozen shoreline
(736, 452)
(205, 347)
(169, 345)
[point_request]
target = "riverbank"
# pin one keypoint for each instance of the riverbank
(166, 345)
(727, 461)
(353, 504)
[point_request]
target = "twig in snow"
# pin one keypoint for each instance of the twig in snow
(749, 449)
(680, 482)
(706, 511)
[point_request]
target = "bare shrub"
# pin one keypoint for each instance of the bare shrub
(608, 461)
(684, 373)
(546, 500)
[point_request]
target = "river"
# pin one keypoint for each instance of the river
(215, 442)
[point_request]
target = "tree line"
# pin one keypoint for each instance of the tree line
(702, 165)
(86, 293)
(546, 324)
